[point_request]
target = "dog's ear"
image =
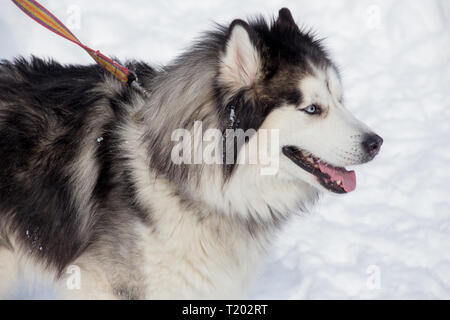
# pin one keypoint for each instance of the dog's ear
(241, 61)
(285, 17)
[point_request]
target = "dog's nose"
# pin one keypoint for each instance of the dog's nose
(372, 144)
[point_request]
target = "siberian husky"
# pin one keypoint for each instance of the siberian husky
(98, 189)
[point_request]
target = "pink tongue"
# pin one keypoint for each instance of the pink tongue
(348, 178)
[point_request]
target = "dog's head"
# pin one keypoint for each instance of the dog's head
(284, 80)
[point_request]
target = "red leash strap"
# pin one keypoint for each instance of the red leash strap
(41, 15)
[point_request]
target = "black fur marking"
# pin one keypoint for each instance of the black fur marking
(248, 115)
(294, 97)
(114, 182)
(285, 16)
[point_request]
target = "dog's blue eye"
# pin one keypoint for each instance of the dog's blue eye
(312, 109)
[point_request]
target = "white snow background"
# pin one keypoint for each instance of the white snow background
(390, 239)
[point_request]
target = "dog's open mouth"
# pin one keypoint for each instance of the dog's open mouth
(335, 179)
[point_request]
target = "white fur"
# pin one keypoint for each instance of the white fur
(241, 61)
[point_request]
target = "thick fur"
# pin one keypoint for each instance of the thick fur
(86, 176)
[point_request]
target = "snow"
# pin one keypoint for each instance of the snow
(390, 239)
